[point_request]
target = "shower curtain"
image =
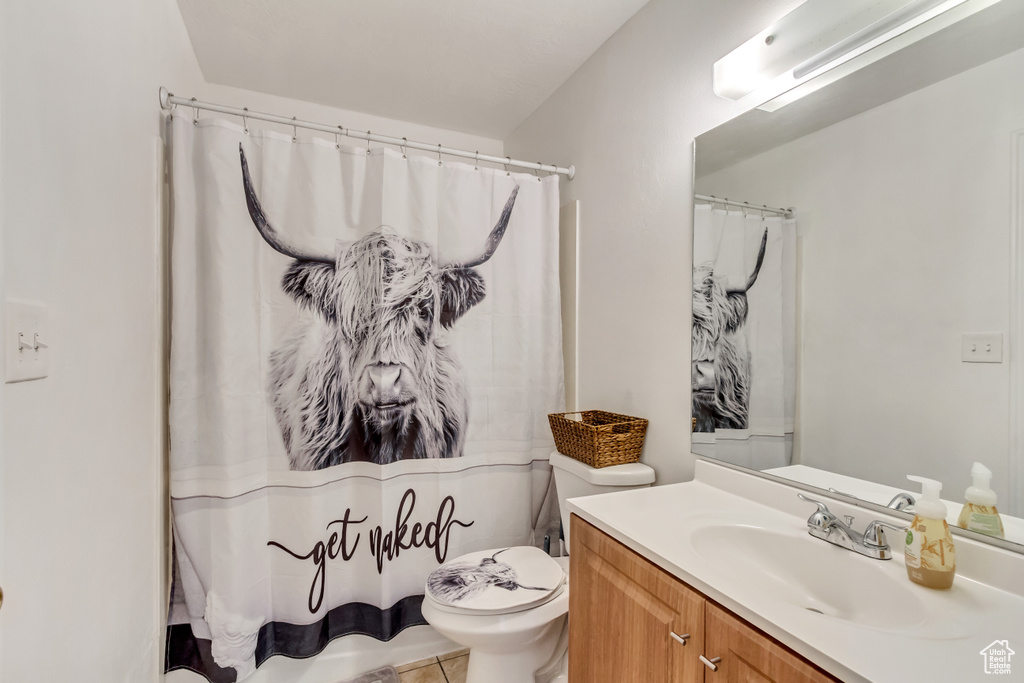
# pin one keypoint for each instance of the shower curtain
(743, 346)
(364, 349)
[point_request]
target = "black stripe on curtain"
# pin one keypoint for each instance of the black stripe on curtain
(185, 651)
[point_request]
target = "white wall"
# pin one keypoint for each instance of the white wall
(81, 504)
(627, 119)
(3, 350)
(83, 471)
(904, 214)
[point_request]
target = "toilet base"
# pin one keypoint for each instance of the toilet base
(535, 664)
(557, 668)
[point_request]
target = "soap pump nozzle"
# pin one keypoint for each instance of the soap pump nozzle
(929, 505)
(982, 475)
(981, 492)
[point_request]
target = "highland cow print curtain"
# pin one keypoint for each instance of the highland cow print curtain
(743, 349)
(364, 351)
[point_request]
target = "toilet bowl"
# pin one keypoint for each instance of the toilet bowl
(510, 606)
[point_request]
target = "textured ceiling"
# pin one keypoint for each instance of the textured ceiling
(475, 66)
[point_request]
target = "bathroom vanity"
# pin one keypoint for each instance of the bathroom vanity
(632, 621)
(718, 579)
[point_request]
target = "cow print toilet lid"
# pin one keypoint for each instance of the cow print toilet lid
(497, 580)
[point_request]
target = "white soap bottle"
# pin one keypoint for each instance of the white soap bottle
(979, 512)
(929, 553)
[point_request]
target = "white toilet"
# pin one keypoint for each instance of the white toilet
(509, 606)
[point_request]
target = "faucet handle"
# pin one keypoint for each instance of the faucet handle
(874, 533)
(821, 506)
(822, 518)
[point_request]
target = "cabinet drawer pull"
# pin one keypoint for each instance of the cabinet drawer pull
(679, 638)
(711, 663)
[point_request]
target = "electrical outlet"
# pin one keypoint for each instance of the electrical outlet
(983, 348)
(27, 342)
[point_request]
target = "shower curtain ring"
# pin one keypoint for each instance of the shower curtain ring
(367, 143)
(337, 140)
(195, 113)
(245, 122)
(476, 161)
(405, 141)
(295, 131)
(537, 170)
(439, 154)
(508, 160)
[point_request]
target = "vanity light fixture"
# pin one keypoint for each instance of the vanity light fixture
(822, 41)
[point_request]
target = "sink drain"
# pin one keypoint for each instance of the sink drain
(811, 609)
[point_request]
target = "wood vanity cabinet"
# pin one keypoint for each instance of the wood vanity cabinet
(750, 656)
(632, 622)
(623, 611)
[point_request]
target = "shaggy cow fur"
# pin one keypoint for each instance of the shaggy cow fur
(720, 373)
(457, 581)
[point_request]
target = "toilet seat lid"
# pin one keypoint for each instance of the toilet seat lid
(496, 581)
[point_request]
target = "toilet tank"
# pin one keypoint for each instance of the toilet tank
(574, 479)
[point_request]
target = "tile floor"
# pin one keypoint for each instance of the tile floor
(449, 668)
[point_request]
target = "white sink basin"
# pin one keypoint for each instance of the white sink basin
(830, 582)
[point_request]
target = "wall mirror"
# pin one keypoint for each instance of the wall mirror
(874, 332)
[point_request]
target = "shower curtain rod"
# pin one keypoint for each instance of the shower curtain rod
(168, 100)
(785, 213)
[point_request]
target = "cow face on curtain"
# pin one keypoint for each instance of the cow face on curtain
(720, 365)
(372, 378)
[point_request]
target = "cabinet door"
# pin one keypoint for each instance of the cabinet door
(749, 656)
(623, 612)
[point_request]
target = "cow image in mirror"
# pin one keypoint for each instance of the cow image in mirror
(720, 367)
(371, 377)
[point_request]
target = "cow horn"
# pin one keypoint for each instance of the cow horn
(757, 267)
(263, 225)
(494, 239)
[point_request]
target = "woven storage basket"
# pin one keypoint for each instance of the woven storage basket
(597, 438)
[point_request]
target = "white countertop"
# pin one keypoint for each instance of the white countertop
(657, 523)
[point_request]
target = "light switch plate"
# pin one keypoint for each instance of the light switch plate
(26, 327)
(983, 348)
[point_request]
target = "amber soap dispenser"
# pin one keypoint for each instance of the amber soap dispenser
(929, 553)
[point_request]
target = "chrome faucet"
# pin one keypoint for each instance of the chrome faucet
(900, 501)
(826, 526)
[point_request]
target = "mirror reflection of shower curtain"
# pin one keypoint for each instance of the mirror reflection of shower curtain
(743, 346)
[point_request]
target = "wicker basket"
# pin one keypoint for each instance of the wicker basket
(597, 438)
